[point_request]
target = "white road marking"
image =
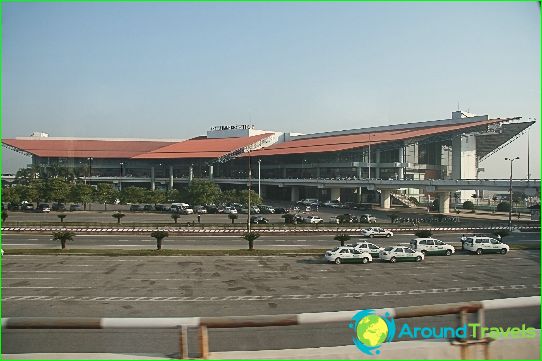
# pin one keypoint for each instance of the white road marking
(199, 299)
(48, 287)
(31, 278)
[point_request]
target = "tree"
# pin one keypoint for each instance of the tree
(251, 237)
(175, 216)
(159, 235)
(105, 194)
(4, 216)
(393, 216)
(423, 233)
(343, 237)
(203, 192)
(63, 236)
(31, 192)
(61, 217)
(12, 194)
(154, 197)
(132, 195)
(173, 195)
(57, 190)
(468, 205)
(233, 217)
(118, 216)
(289, 218)
(255, 199)
(229, 196)
(82, 193)
(503, 207)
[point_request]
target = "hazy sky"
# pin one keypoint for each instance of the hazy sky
(172, 70)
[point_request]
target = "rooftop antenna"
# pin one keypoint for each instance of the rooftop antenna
(458, 105)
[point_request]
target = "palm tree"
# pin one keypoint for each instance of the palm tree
(251, 237)
(175, 216)
(159, 235)
(343, 237)
(118, 216)
(61, 217)
(63, 236)
(233, 217)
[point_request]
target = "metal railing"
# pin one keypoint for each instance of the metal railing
(202, 324)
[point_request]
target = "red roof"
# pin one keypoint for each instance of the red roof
(79, 148)
(202, 147)
(352, 141)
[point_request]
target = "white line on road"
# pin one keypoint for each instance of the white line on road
(31, 278)
(48, 287)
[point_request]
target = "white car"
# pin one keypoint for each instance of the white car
(481, 245)
(371, 248)
(367, 218)
(376, 232)
(400, 253)
(229, 210)
(345, 254)
(313, 220)
(432, 246)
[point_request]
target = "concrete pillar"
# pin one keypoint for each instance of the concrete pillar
(294, 195)
(211, 172)
(190, 173)
(444, 202)
(335, 194)
(377, 165)
(317, 172)
(359, 194)
(284, 173)
(401, 170)
(385, 199)
(170, 177)
(359, 172)
(153, 181)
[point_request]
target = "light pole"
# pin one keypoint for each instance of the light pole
(249, 188)
(259, 178)
(90, 167)
(369, 162)
(510, 190)
(120, 179)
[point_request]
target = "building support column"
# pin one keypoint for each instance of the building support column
(190, 173)
(317, 172)
(294, 194)
(444, 202)
(385, 198)
(170, 177)
(377, 165)
(211, 172)
(401, 170)
(153, 181)
(284, 173)
(359, 195)
(335, 194)
(359, 172)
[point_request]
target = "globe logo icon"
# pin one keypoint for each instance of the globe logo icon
(371, 331)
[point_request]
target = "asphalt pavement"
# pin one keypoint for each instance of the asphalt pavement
(91, 286)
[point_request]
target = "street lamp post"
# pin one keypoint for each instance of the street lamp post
(510, 191)
(120, 179)
(369, 161)
(90, 167)
(249, 188)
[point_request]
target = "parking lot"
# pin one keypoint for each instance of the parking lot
(70, 286)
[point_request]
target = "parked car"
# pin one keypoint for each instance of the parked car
(200, 209)
(58, 207)
(313, 220)
(27, 207)
(75, 207)
(346, 254)
(264, 209)
(481, 245)
(13, 207)
(280, 210)
(43, 208)
(258, 220)
(254, 210)
(376, 232)
(431, 246)
(186, 210)
(161, 208)
(371, 248)
(148, 208)
(228, 210)
(136, 208)
(400, 253)
(332, 204)
(367, 218)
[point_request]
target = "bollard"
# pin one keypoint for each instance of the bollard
(183, 342)
(204, 342)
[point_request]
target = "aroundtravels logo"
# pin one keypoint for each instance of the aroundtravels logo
(371, 331)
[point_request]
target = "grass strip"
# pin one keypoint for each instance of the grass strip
(163, 252)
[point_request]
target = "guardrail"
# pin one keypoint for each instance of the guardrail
(462, 309)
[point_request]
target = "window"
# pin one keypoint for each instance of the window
(399, 250)
(494, 241)
(423, 242)
(372, 246)
(345, 251)
(408, 250)
(430, 242)
(438, 243)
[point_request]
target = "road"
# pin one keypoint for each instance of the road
(125, 241)
(91, 286)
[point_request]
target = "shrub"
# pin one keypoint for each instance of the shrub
(61, 217)
(63, 236)
(175, 217)
(503, 207)
(423, 233)
(233, 217)
(251, 237)
(393, 216)
(118, 216)
(159, 235)
(343, 237)
(468, 205)
(288, 218)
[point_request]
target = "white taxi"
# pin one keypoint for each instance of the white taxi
(400, 253)
(431, 246)
(481, 245)
(368, 247)
(345, 254)
(376, 232)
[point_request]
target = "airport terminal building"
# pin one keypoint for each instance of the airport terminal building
(448, 149)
